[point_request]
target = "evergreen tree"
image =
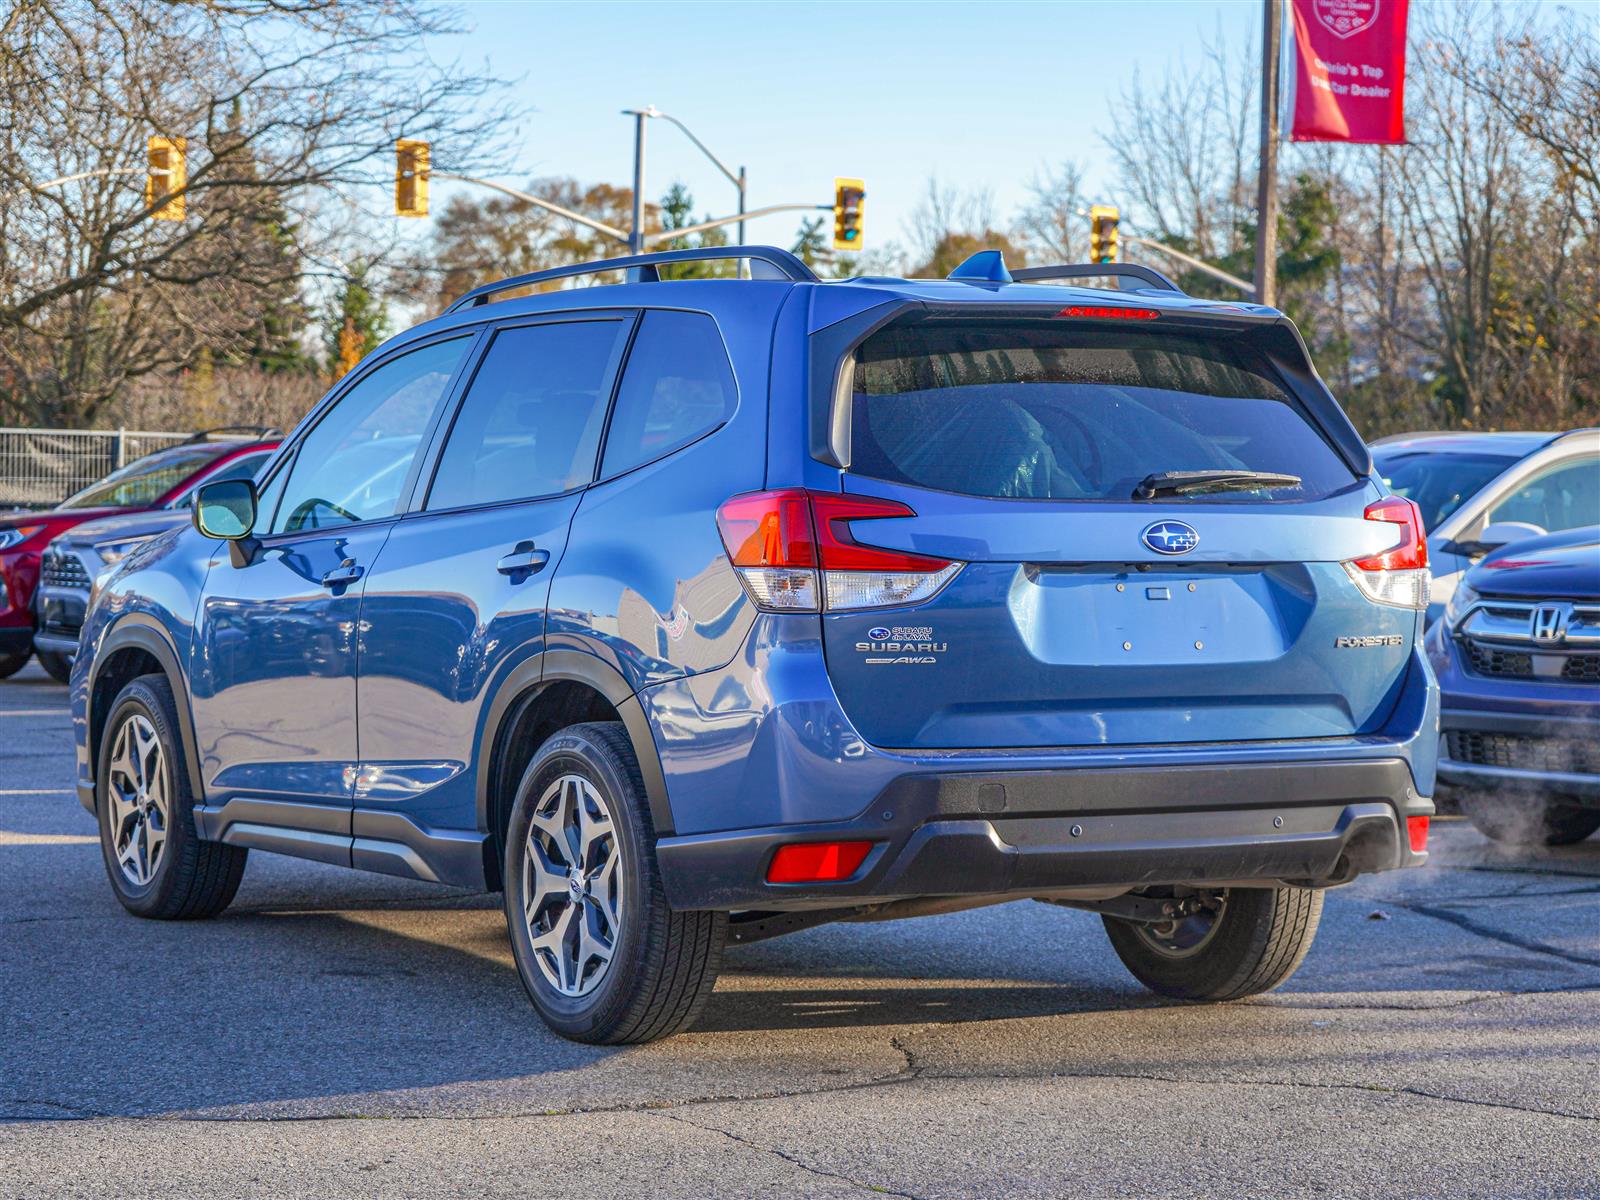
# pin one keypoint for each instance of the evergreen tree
(356, 324)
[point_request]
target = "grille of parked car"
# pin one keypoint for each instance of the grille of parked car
(1521, 753)
(63, 571)
(1498, 662)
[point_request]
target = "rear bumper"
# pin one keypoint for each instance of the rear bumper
(1025, 833)
(56, 643)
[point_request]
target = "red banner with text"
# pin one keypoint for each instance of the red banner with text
(1350, 71)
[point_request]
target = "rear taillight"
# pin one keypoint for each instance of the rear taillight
(795, 552)
(1399, 575)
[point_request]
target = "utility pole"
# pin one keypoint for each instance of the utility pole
(1267, 176)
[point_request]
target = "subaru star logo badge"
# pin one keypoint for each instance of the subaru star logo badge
(1170, 537)
(878, 633)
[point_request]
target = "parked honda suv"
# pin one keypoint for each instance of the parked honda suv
(696, 611)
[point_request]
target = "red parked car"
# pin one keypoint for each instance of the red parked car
(163, 479)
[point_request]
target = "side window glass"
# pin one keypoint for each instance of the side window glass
(529, 424)
(352, 465)
(1563, 497)
(677, 386)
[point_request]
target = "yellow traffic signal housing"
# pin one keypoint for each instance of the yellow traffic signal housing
(848, 195)
(1103, 220)
(410, 178)
(167, 177)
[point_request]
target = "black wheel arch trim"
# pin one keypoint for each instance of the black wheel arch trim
(528, 679)
(143, 632)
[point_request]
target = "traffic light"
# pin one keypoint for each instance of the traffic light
(166, 177)
(1103, 220)
(410, 178)
(848, 195)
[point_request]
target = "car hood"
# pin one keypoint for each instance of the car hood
(127, 525)
(1558, 564)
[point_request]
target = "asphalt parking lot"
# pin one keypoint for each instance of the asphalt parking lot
(344, 1034)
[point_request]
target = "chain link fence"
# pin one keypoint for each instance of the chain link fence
(39, 468)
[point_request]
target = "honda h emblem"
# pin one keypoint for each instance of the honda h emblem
(1549, 623)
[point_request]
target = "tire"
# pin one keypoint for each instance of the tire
(661, 965)
(1530, 820)
(176, 876)
(10, 664)
(57, 666)
(1253, 945)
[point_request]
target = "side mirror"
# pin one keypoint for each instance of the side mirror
(1503, 533)
(226, 509)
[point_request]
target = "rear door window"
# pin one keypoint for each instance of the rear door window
(1041, 410)
(678, 386)
(530, 422)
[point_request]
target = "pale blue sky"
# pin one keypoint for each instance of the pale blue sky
(981, 94)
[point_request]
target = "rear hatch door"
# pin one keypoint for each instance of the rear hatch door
(1085, 615)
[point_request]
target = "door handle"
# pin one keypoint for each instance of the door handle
(345, 573)
(525, 557)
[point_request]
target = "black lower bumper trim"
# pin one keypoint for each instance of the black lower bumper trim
(952, 835)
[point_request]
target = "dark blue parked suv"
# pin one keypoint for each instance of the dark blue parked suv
(706, 610)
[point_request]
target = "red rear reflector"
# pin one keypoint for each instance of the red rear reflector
(817, 862)
(1107, 312)
(1417, 831)
(1411, 552)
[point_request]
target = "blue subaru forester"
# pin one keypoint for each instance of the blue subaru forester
(696, 611)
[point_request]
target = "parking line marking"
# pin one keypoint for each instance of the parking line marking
(35, 791)
(8, 838)
(31, 712)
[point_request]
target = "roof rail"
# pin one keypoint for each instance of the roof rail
(233, 431)
(641, 268)
(1145, 275)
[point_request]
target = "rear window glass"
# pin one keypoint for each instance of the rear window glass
(1044, 411)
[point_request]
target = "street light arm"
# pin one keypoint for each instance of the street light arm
(704, 149)
(1197, 264)
(66, 179)
(666, 235)
(539, 202)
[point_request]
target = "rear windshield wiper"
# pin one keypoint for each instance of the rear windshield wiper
(1189, 483)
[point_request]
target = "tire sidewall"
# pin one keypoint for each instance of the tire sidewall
(151, 699)
(574, 752)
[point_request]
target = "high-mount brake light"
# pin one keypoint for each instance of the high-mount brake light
(1397, 576)
(1108, 312)
(794, 551)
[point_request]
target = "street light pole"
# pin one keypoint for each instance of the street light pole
(636, 231)
(1267, 175)
(741, 205)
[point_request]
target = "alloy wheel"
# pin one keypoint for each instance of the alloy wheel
(137, 794)
(572, 891)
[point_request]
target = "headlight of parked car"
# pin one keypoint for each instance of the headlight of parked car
(111, 553)
(1461, 600)
(13, 537)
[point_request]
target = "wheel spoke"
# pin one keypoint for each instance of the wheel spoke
(592, 827)
(590, 944)
(542, 880)
(551, 947)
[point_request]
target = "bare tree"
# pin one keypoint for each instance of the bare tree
(1049, 224)
(277, 100)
